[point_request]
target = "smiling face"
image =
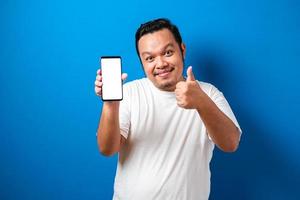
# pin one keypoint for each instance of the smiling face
(162, 59)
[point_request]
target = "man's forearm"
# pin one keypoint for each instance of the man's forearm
(220, 128)
(108, 135)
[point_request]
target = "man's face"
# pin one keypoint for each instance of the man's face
(162, 59)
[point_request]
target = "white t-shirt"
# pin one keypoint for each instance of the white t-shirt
(167, 151)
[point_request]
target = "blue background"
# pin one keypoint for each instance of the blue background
(49, 113)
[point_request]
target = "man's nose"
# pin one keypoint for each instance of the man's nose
(160, 62)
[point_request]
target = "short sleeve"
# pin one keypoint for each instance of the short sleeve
(219, 99)
(124, 112)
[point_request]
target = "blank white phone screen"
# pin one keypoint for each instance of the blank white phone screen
(111, 78)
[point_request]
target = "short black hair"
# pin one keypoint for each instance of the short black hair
(157, 25)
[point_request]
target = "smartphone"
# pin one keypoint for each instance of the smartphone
(112, 89)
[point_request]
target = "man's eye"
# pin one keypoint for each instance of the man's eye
(169, 53)
(149, 59)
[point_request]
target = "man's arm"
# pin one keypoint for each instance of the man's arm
(109, 137)
(108, 133)
(220, 128)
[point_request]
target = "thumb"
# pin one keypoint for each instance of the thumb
(190, 74)
(124, 76)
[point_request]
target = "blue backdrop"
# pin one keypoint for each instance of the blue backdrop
(49, 56)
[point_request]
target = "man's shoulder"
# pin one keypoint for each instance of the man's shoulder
(205, 86)
(211, 90)
(136, 82)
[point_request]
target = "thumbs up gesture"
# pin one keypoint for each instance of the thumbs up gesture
(190, 74)
(188, 92)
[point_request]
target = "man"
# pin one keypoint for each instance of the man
(166, 126)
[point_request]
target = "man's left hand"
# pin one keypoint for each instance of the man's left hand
(188, 92)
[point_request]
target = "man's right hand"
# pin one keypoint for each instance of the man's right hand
(98, 82)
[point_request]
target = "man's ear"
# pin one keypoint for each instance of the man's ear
(183, 49)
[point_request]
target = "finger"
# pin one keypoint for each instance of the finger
(124, 76)
(99, 72)
(179, 103)
(99, 78)
(180, 84)
(190, 74)
(98, 83)
(98, 91)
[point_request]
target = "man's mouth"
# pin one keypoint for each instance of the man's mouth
(163, 73)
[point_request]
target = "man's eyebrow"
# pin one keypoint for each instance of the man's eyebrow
(169, 45)
(145, 52)
(164, 48)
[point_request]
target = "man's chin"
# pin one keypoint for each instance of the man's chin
(166, 85)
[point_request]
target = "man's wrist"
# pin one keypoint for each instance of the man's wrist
(111, 104)
(203, 101)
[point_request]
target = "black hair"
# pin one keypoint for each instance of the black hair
(157, 25)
